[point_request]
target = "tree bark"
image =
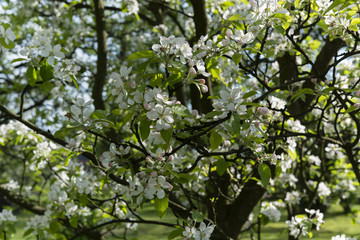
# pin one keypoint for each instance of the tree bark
(101, 64)
(203, 105)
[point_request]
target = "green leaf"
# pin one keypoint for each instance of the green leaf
(161, 206)
(166, 135)
(265, 174)
(236, 58)
(74, 221)
(18, 60)
(83, 200)
(333, 5)
(249, 94)
(197, 216)
(215, 140)
(176, 233)
(54, 226)
(31, 76)
(98, 114)
(142, 54)
(9, 45)
(145, 124)
(215, 72)
(46, 71)
(221, 166)
(212, 114)
(156, 80)
(181, 110)
(279, 29)
(278, 171)
(74, 81)
(236, 17)
(350, 109)
(301, 94)
(28, 232)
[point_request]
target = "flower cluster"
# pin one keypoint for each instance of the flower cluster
(301, 224)
(110, 156)
(7, 216)
(173, 46)
(158, 105)
(203, 232)
(342, 237)
(117, 81)
(43, 47)
(148, 186)
(81, 111)
(230, 100)
(271, 211)
(7, 35)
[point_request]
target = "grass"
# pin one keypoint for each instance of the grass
(335, 223)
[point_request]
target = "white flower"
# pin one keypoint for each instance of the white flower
(323, 190)
(7, 216)
(49, 52)
(342, 237)
(7, 34)
(201, 68)
(272, 212)
(314, 160)
(277, 103)
(132, 7)
(189, 232)
(295, 126)
(204, 232)
(242, 38)
(316, 217)
(293, 197)
(162, 115)
(156, 186)
(81, 111)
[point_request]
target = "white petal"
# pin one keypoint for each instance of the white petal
(160, 194)
(50, 60)
(152, 115)
(10, 34)
(169, 119)
(75, 110)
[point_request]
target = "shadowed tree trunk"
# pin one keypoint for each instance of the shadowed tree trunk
(101, 64)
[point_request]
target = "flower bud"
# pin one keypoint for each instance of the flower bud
(147, 106)
(191, 63)
(148, 159)
(204, 88)
(171, 158)
(227, 143)
(225, 42)
(263, 110)
(192, 71)
(194, 112)
(228, 33)
(202, 81)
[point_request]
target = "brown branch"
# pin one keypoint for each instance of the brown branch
(51, 137)
(101, 55)
(21, 202)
